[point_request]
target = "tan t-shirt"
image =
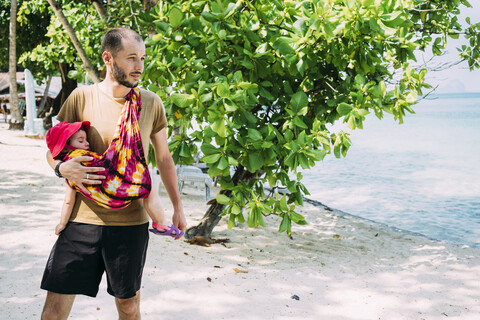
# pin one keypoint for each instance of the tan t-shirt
(90, 103)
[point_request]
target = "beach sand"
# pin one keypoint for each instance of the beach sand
(337, 267)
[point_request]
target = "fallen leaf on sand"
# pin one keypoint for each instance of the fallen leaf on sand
(239, 271)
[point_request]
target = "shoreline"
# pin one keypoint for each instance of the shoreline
(339, 266)
(386, 227)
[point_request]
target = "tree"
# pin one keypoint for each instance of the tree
(32, 33)
(73, 38)
(263, 81)
(16, 121)
(57, 55)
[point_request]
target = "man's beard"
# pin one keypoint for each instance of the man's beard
(119, 75)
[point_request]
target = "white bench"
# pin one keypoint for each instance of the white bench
(193, 174)
(189, 174)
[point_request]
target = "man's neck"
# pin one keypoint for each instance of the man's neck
(114, 89)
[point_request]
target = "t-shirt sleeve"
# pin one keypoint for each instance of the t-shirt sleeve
(160, 120)
(71, 109)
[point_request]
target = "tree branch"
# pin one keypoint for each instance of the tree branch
(73, 37)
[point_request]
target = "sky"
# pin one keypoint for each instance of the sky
(458, 78)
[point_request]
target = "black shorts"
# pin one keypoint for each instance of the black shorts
(84, 251)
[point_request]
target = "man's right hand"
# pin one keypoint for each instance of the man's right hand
(80, 175)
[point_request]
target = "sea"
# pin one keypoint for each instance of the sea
(421, 176)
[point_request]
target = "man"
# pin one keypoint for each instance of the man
(96, 239)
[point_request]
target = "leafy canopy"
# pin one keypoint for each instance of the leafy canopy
(30, 31)
(257, 84)
(44, 58)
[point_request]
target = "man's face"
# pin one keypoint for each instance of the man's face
(127, 65)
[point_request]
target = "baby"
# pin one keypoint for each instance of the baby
(76, 138)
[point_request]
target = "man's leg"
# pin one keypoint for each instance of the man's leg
(129, 309)
(57, 306)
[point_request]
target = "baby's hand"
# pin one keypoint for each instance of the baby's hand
(59, 228)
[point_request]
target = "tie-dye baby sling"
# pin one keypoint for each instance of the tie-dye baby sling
(126, 170)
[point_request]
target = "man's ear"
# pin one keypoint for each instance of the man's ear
(107, 57)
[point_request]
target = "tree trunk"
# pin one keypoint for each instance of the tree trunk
(68, 85)
(212, 216)
(41, 107)
(209, 221)
(100, 9)
(16, 120)
(73, 37)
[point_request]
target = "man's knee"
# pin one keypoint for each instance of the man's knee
(129, 308)
(57, 306)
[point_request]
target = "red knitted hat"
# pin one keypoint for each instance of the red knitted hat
(58, 135)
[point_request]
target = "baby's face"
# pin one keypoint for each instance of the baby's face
(79, 140)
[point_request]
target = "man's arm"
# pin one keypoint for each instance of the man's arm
(75, 172)
(168, 172)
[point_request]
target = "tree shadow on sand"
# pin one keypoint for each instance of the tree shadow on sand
(29, 210)
(339, 266)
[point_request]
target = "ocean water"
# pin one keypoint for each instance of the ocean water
(422, 176)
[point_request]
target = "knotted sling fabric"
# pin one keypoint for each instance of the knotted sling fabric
(126, 170)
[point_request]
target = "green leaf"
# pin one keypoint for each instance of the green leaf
(208, 149)
(231, 221)
(344, 108)
(185, 150)
(255, 161)
(296, 217)
(230, 106)
(283, 203)
(236, 209)
(157, 37)
(254, 134)
(222, 90)
(299, 123)
(222, 199)
(182, 100)
(303, 161)
(286, 224)
(175, 16)
(266, 94)
(223, 163)
(282, 46)
(351, 122)
(299, 100)
(252, 219)
(260, 220)
(219, 127)
(211, 158)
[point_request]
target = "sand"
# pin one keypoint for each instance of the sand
(337, 267)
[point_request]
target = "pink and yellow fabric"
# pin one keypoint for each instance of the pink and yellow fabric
(127, 175)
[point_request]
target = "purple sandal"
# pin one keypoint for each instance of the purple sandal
(171, 231)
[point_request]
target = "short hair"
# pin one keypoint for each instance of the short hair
(112, 40)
